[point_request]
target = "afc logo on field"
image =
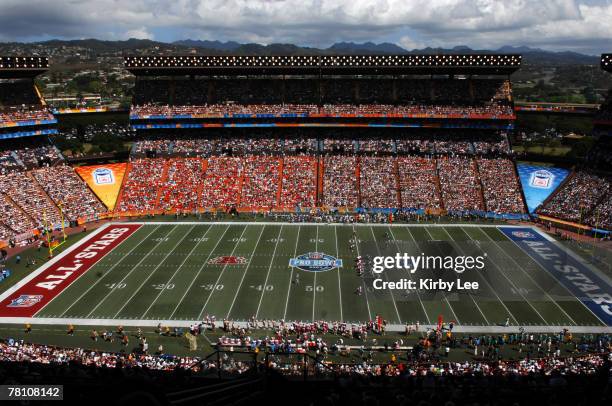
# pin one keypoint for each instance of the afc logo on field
(541, 179)
(103, 176)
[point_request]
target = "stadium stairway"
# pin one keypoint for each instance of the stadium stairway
(162, 182)
(476, 169)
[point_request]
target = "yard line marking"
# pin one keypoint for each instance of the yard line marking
(221, 273)
(339, 284)
(247, 270)
(410, 275)
(199, 271)
(153, 271)
(533, 280)
(314, 284)
(518, 290)
(452, 241)
(390, 291)
(297, 239)
(108, 271)
(365, 287)
(443, 293)
(200, 241)
(263, 291)
(132, 270)
(487, 282)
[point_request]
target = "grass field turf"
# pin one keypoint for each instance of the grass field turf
(162, 272)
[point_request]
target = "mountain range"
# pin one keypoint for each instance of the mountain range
(204, 47)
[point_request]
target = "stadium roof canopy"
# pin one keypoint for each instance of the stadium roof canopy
(22, 66)
(500, 64)
(606, 62)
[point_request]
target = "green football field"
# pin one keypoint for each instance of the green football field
(187, 271)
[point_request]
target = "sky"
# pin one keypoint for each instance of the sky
(560, 25)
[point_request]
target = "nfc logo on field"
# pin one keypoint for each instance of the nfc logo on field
(315, 262)
(523, 234)
(541, 179)
(25, 301)
(103, 176)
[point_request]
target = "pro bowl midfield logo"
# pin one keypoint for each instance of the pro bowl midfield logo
(541, 179)
(103, 176)
(25, 301)
(315, 262)
(523, 234)
(227, 260)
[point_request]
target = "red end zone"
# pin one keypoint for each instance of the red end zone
(27, 300)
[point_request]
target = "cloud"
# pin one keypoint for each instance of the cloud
(568, 24)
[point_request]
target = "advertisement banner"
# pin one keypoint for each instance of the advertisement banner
(104, 180)
(539, 182)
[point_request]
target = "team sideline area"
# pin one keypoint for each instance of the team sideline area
(146, 273)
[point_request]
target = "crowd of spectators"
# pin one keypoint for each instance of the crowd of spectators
(20, 102)
(326, 110)
(299, 186)
(459, 183)
(576, 199)
(419, 187)
(500, 185)
(340, 187)
(67, 190)
(140, 189)
(27, 193)
(601, 217)
(180, 190)
(260, 187)
(377, 182)
(222, 182)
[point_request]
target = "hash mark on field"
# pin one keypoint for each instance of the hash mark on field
(221, 274)
(199, 271)
(297, 238)
(263, 291)
(153, 272)
(161, 291)
(245, 272)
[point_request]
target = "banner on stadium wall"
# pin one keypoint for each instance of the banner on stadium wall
(539, 182)
(104, 180)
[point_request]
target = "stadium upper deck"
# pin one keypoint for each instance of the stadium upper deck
(23, 112)
(198, 91)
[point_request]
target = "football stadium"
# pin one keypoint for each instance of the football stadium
(305, 218)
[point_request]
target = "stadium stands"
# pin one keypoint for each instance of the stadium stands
(578, 199)
(461, 189)
(418, 182)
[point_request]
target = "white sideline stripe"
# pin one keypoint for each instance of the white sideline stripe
(154, 271)
(196, 245)
(46, 266)
(278, 223)
(129, 273)
(263, 290)
(391, 327)
(199, 271)
(247, 270)
(108, 271)
(221, 273)
(297, 239)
